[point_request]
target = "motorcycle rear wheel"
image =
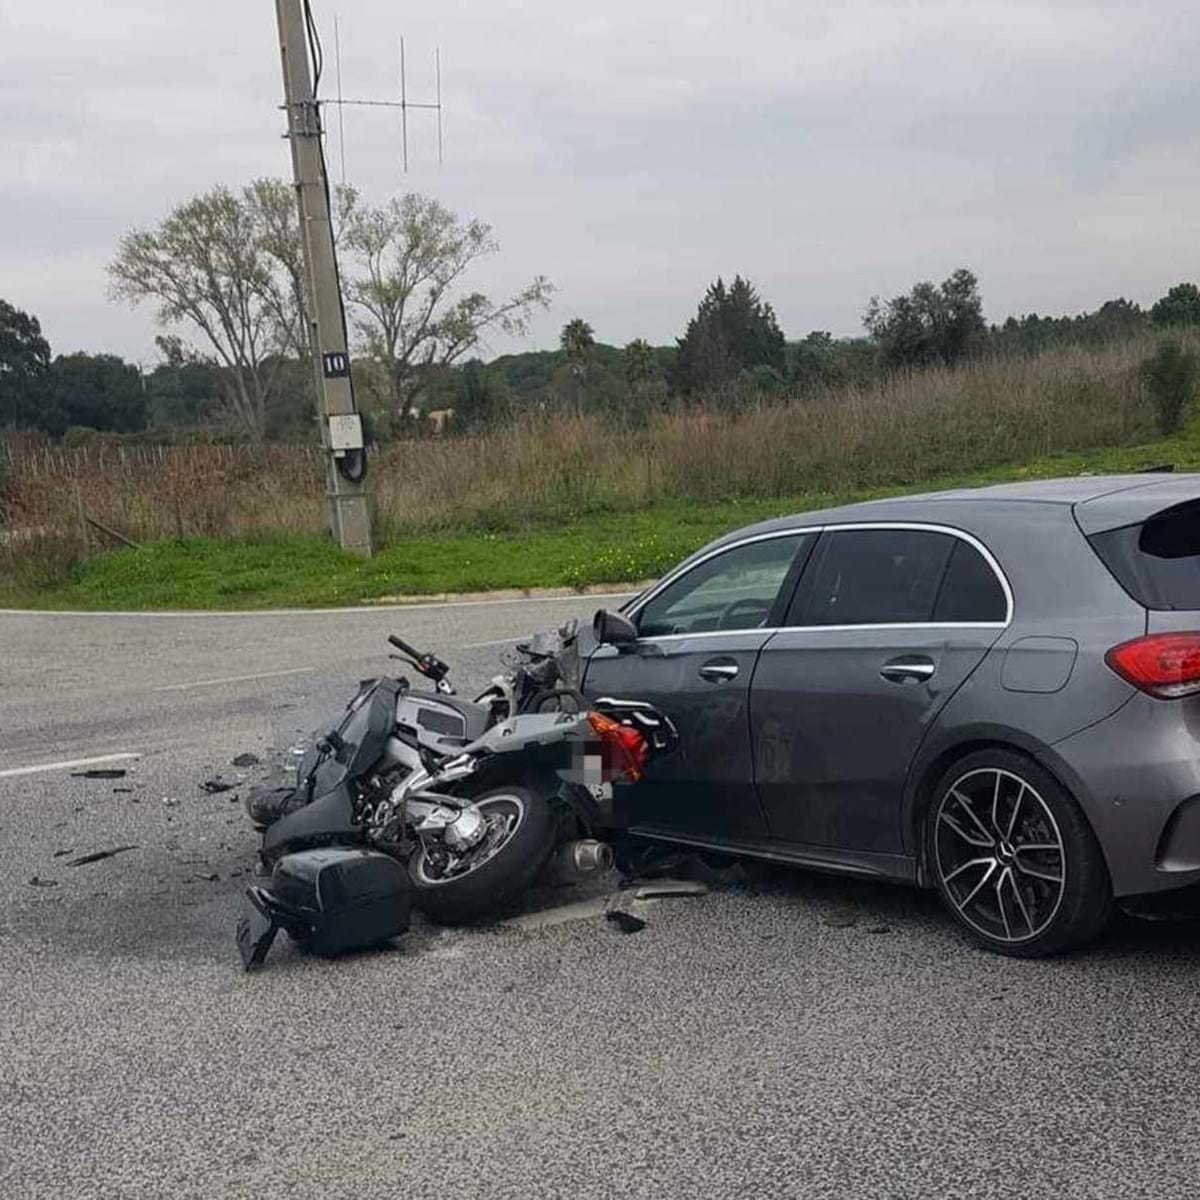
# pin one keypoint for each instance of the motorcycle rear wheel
(510, 869)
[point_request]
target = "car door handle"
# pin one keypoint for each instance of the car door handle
(901, 670)
(719, 670)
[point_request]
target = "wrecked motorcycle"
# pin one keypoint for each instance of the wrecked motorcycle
(454, 806)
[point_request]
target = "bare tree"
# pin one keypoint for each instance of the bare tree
(274, 212)
(407, 258)
(226, 264)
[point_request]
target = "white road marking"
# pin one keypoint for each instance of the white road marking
(359, 609)
(69, 765)
(199, 683)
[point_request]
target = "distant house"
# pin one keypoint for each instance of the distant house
(439, 418)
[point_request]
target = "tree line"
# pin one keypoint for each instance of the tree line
(224, 273)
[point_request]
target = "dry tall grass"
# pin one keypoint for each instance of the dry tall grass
(549, 468)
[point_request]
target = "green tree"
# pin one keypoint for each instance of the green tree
(734, 330)
(639, 363)
(1114, 321)
(820, 362)
(481, 400)
(932, 324)
(98, 391)
(184, 390)
(1179, 308)
(577, 342)
(24, 364)
(404, 262)
(1171, 374)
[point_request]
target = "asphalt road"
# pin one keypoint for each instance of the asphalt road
(795, 1036)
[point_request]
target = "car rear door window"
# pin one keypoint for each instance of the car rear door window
(970, 590)
(733, 590)
(873, 577)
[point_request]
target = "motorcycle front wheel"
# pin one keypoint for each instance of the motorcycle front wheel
(521, 835)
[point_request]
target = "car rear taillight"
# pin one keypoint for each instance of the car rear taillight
(1166, 665)
(623, 749)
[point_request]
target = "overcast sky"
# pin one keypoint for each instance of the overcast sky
(634, 151)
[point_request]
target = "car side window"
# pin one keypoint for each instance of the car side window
(730, 591)
(873, 577)
(970, 590)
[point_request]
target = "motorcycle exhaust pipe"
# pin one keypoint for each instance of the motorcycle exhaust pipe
(577, 861)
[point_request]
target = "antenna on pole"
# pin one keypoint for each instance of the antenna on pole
(337, 43)
(403, 104)
(403, 107)
(437, 67)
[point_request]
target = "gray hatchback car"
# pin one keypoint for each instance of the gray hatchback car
(993, 692)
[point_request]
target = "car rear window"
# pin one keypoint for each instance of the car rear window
(970, 590)
(1158, 561)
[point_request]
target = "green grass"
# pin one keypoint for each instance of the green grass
(601, 549)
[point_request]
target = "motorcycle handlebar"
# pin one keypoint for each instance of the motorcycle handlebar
(429, 665)
(404, 647)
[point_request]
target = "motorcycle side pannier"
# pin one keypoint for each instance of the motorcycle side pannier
(341, 899)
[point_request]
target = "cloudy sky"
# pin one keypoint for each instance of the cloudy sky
(633, 151)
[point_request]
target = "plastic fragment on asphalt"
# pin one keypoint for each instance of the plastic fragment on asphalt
(245, 760)
(100, 773)
(668, 888)
(564, 914)
(99, 856)
(214, 787)
(43, 883)
(170, 801)
(626, 922)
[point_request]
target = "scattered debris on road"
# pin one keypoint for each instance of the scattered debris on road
(43, 883)
(626, 922)
(100, 773)
(245, 760)
(122, 791)
(670, 888)
(99, 856)
(214, 787)
(170, 801)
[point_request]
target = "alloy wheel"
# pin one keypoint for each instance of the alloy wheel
(999, 855)
(503, 814)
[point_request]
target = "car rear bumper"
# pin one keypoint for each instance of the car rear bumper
(1137, 776)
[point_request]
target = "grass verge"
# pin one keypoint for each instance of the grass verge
(302, 571)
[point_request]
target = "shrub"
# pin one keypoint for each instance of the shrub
(1171, 375)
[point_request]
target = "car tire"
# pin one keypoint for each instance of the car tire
(1014, 858)
(508, 872)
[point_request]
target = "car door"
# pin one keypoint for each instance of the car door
(885, 625)
(699, 637)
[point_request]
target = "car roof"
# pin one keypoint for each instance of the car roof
(1099, 502)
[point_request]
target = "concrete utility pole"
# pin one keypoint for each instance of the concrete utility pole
(341, 426)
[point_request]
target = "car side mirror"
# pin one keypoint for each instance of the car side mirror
(614, 629)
